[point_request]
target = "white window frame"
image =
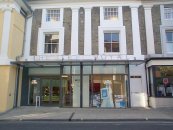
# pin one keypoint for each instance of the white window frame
(122, 40)
(55, 13)
(112, 32)
(51, 42)
(168, 13)
(41, 40)
(117, 22)
(169, 44)
(52, 24)
(110, 13)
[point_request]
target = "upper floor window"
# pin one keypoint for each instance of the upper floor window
(168, 13)
(169, 40)
(53, 15)
(169, 36)
(111, 42)
(51, 43)
(110, 13)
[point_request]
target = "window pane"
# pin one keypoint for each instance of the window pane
(115, 47)
(54, 38)
(110, 13)
(115, 37)
(47, 48)
(107, 37)
(54, 48)
(169, 36)
(107, 47)
(53, 15)
(47, 38)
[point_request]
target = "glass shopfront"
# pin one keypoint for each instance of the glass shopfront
(79, 86)
(161, 81)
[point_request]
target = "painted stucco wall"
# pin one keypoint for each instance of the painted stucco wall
(7, 87)
(1, 25)
(16, 35)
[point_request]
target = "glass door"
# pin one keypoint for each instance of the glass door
(50, 92)
(45, 91)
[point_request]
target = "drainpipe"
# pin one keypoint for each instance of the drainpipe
(16, 86)
(147, 83)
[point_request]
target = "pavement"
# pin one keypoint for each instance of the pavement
(31, 113)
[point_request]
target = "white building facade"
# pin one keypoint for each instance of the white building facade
(88, 54)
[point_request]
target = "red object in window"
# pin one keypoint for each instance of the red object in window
(165, 80)
(96, 87)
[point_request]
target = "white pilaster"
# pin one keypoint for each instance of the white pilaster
(149, 30)
(6, 32)
(87, 33)
(135, 31)
(27, 44)
(74, 31)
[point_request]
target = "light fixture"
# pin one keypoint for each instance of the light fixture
(64, 76)
(34, 82)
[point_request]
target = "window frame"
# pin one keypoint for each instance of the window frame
(157, 82)
(168, 44)
(51, 33)
(112, 42)
(53, 10)
(168, 13)
(110, 13)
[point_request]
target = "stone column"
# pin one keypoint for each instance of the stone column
(6, 32)
(87, 32)
(74, 31)
(149, 29)
(135, 31)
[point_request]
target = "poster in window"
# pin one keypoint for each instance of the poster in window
(104, 93)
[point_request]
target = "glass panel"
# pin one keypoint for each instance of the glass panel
(34, 90)
(107, 47)
(54, 48)
(114, 69)
(86, 84)
(75, 69)
(169, 47)
(108, 91)
(48, 38)
(169, 36)
(107, 37)
(86, 69)
(115, 37)
(44, 71)
(76, 91)
(45, 87)
(66, 69)
(47, 48)
(163, 82)
(55, 96)
(115, 47)
(67, 90)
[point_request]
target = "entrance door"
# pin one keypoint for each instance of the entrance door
(50, 92)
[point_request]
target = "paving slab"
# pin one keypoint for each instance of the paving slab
(87, 114)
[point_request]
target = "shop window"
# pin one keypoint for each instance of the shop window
(163, 81)
(110, 13)
(51, 43)
(53, 15)
(111, 42)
